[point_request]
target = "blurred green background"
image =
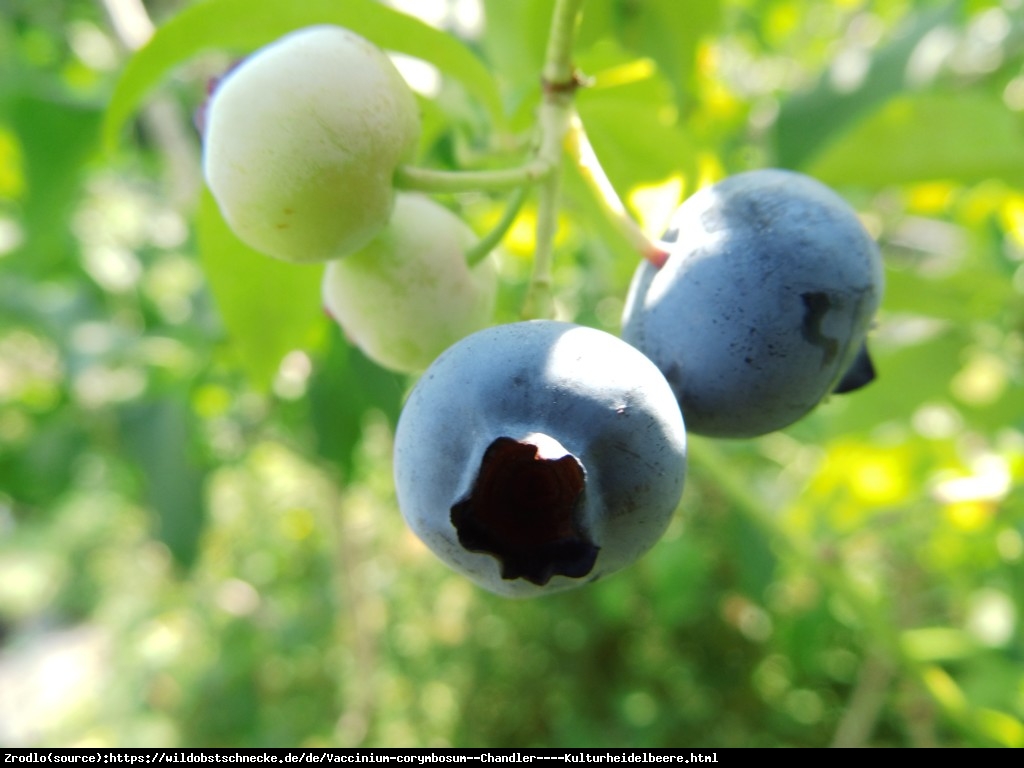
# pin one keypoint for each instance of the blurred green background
(199, 541)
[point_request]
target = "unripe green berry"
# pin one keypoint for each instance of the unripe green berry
(302, 140)
(410, 294)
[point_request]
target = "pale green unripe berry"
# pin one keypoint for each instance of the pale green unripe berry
(410, 294)
(302, 140)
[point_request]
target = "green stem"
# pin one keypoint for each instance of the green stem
(582, 152)
(556, 110)
(865, 706)
(558, 67)
(488, 243)
(540, 295)
(411, 178)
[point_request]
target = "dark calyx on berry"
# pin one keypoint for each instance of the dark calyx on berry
(860, 373)
(523, 509)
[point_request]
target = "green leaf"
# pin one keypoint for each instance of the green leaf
(244, 25)
(158, 436)
(908, 377)
(666, 32)
(268, 307)
(669, 32)
(808, 121)
(964, 137)
(38, 473)
(608, 244)
(514, 39)
(56, 140)
(938, 644)
(969, 295)
(754, 562)
(343, 388)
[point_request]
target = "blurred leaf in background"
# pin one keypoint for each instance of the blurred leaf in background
(199, 541)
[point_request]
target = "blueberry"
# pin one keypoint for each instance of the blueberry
(763, 304)
(538, 456)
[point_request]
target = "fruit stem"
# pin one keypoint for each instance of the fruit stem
(582, 152)
(490, 241)
(559, 72)
(540, 296)
(411, 178)
(560, 82)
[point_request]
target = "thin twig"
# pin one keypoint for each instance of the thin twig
(866, 702)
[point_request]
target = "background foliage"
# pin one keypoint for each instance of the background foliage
(199, 543)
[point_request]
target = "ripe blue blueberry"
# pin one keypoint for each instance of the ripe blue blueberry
(763, 304)
(538, 456)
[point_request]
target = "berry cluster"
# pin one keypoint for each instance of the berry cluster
(537, 456)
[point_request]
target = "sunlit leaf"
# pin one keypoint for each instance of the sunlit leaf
(514, 40)
(670, 33)
(629, 117)
(945, 690)
(955, 297)
(1005, 729)
(930, 644)
(268, 307)
(241, 26)
(12, 181)
(960, 137)
(809, 120)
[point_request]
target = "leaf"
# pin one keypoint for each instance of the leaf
(343, 388)
(12, 181)
(808, 121)
(157, 436)
(56, 140)
(962, 137)
(973, 294)
(38, 473)
(244, 25)
(665, 32)
(514, 39)
(908, 377)
(629, 118)
(669, 32)
(754, 562)
(268, 307)
(929, 644)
